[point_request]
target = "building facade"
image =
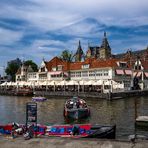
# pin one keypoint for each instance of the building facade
(98, 64)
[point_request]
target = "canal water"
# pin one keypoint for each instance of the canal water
(120, 112)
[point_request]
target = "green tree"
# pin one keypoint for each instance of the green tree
(66, 55)
(32, 64)
(11, 70)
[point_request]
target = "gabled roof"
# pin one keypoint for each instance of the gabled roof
(55, 62)
(18, 71)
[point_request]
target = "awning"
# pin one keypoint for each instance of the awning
(65, 73)
(146, 74)
(128, 72)
(55, 72)
(58, 73)
(139, 74)
(119, 72)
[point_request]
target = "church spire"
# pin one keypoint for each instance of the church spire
(79, 53)
(105, 43)
(105, 50)
(104, 34)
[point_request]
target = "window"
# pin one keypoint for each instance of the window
(78, 74)
(84, 73)
(99, 73)
(91, 73)
(138, 67)
(59, 67)
(42, 69)
(105, 72)
(85, 66)
(72, 74)
(54, 69)
(122, 64)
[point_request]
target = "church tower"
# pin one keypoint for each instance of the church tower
(105, 50)
(79, 55)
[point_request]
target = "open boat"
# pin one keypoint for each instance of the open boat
(39, 99)
(73, 131)
(142, 121)
(76, 108)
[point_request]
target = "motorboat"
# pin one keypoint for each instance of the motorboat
(76, 108)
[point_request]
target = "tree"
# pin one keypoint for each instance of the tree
(11, 70)
(66, 56)
(32, 64)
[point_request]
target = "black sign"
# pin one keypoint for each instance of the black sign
(31, 112)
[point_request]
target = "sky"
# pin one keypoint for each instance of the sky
(37, 29)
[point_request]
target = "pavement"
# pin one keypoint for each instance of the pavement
(55, 142)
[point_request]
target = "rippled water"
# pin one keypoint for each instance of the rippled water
(119, 112)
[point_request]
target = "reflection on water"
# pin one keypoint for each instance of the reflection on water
(119, 112)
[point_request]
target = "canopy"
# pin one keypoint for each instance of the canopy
(99, 82)
(62, 83)
(82, 82)
(72, 82)
(91, 82)
(51, 83)
(4, 84)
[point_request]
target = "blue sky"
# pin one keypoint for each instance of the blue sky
(37, 29)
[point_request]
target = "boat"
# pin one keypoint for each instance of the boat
(76, 108)
(23, 92)
(82, 131)
(71, 131)
(142, 121)
(39, 99)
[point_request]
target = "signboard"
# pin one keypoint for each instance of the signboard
(31, 112)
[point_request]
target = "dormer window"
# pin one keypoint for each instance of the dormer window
(59, 68)
(122, 64)
(54, 69)
(42, 69)
(85, 66)
(137, 67)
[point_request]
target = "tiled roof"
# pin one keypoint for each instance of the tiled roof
(94, 63)
(55, 62)
(144, 64)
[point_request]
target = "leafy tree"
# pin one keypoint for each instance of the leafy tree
(11, 70)
(66, 56)
(32, 64)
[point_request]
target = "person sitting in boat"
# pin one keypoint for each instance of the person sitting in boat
(78, 104)
(71, 104)
(75, 130)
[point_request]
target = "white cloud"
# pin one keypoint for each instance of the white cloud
(54, 14)
(8, 37)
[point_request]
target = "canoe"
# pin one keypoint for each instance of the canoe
(39, 99)
(71, 131)
(83, 131)
(76, 108)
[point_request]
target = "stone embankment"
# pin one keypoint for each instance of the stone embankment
(6, 142)
(98, 95)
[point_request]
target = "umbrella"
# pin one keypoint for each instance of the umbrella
(89, 82)
(72, 82)
(99, 82)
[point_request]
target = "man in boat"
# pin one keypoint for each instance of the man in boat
(75, 130)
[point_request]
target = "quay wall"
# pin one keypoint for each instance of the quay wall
(69, 143)
(108, 96)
